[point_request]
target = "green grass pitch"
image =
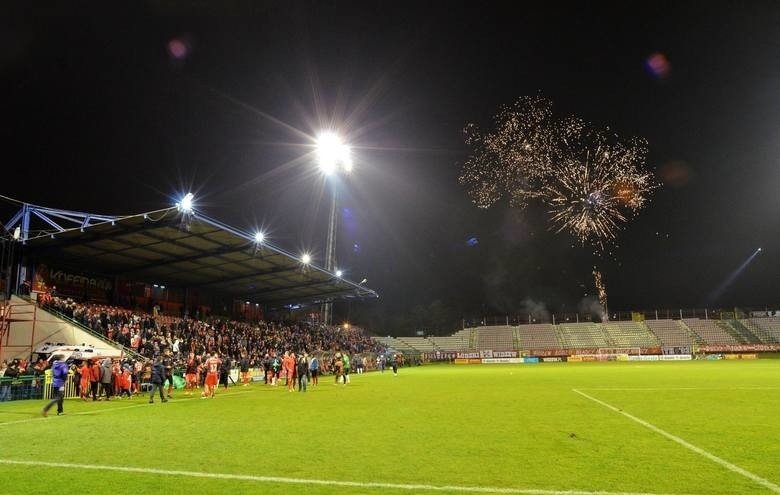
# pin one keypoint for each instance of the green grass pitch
(434, 429)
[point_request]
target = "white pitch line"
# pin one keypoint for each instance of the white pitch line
(302, 481)
(112, 409)
(643, 389)
(733, 467)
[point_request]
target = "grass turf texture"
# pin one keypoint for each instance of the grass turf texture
(489, 426)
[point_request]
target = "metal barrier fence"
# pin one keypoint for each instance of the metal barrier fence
(23, 387)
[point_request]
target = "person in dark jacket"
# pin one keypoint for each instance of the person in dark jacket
(168, 365)
(105, 378)
(158, 375)
(224, 371)
(59, 371)
(303, 372)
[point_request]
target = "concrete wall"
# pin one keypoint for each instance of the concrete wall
(37, 327)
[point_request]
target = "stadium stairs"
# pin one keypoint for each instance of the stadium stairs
(629, 334)
(497, 338)
(710, 332)
(740, 331)
(459, 341)
(671, 333)
(619, 334)
(537, 336)
(418, 344)
(766, 329)
(583, 335)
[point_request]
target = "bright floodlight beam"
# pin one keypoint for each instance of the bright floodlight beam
(306, 258)
(332, 153)
(259, 237)
(721, 289)
(339, 273)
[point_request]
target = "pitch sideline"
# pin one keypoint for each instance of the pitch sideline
(101, 411)
(732, 467)
(303, 481)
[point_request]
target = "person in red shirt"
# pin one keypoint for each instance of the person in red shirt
(288, 364)
(86, 373)
(124, 380)
(94, 378)
(212, 375)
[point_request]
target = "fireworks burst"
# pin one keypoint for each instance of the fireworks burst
(596, 183)
(592, 181)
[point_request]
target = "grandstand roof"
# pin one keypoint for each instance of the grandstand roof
(186, 250)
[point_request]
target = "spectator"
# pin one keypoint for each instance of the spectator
(59, 372)
(158, 375)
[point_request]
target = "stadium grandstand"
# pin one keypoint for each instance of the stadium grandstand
(656, 337)
(149, 282)
(65, 267)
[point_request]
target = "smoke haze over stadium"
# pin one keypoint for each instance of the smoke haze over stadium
(121, 109)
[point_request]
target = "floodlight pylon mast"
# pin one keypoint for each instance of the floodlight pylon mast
(330, 255)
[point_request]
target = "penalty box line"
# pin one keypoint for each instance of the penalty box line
(302, 481)
(732, 467)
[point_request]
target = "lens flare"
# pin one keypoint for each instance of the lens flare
(658, 65)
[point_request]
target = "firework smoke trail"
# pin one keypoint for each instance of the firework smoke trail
(601, 290)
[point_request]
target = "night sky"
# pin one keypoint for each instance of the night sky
(120, 110)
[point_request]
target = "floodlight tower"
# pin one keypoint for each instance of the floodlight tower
(333, 156)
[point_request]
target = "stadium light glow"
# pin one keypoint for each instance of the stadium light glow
(185, 205)
(306, 258)
(332, 153)
(259, 237)
(339, 273)
(729, 280)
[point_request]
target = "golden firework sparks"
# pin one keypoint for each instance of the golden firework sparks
(592, 181)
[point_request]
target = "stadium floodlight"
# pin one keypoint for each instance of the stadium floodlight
(306, 258)
(259, 237)
(185, 205)
(332, 153)
(363, 281)
(339, 273)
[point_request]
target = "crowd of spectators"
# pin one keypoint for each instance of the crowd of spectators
(153, 334)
